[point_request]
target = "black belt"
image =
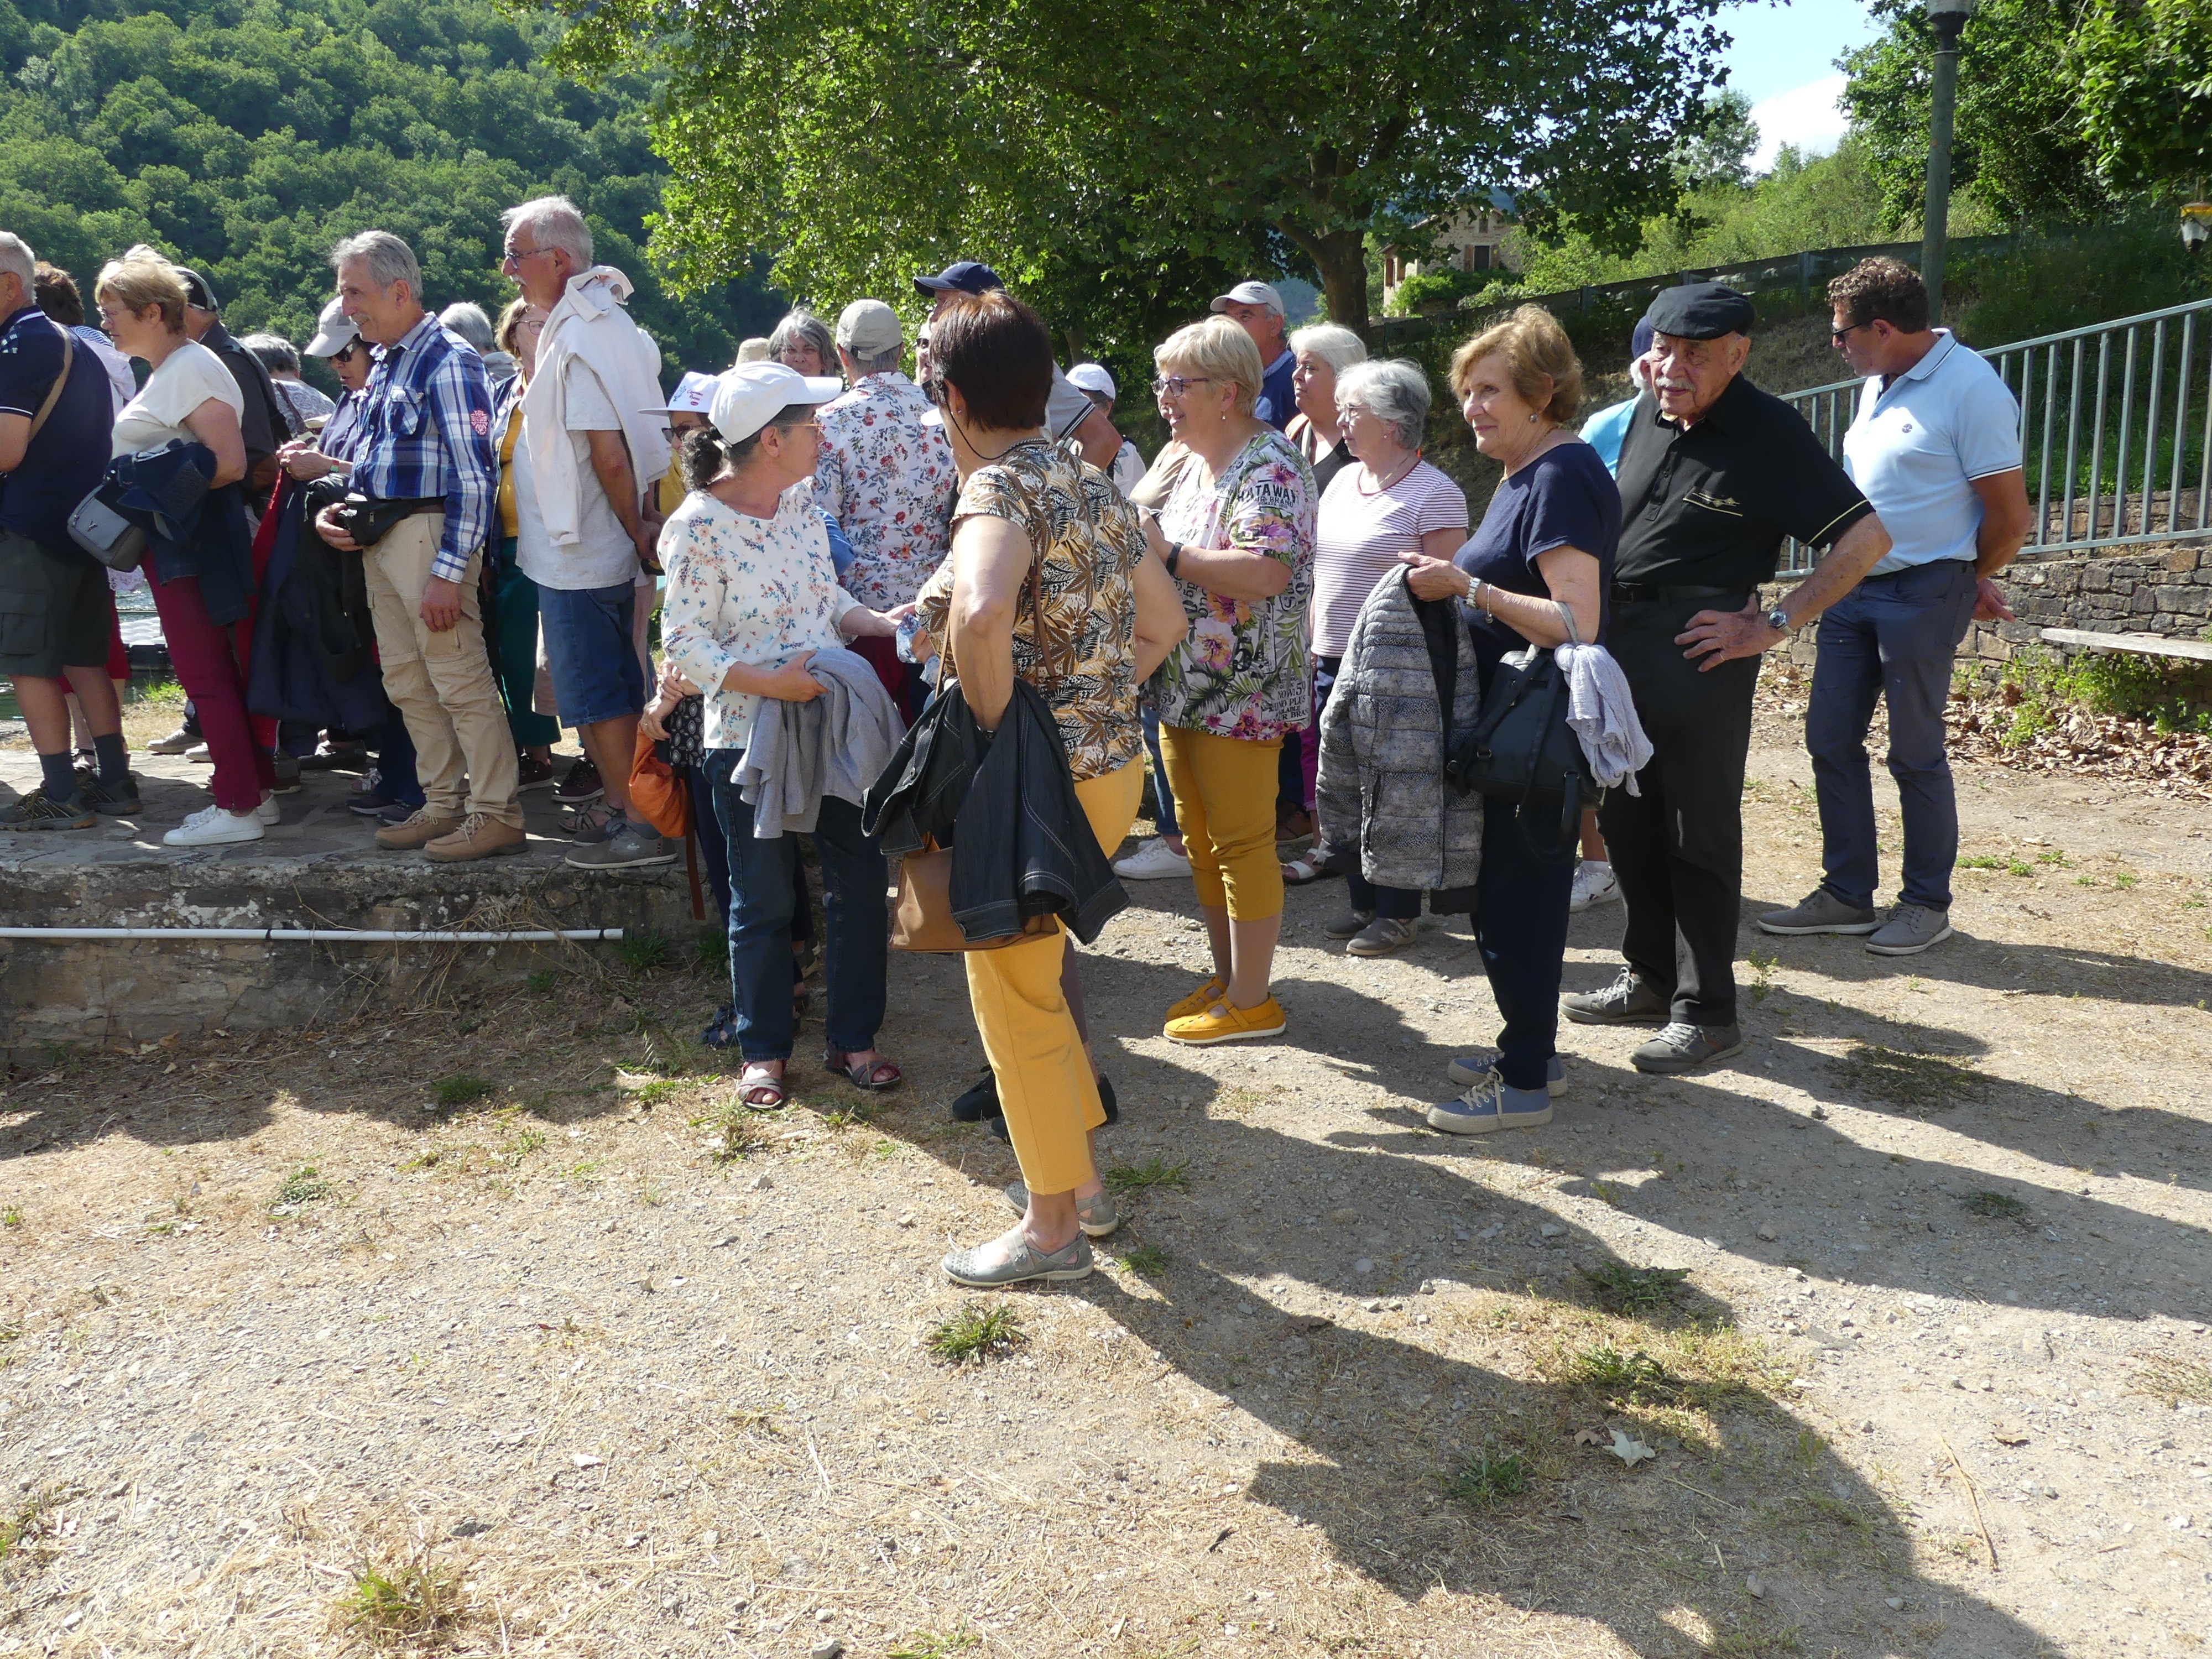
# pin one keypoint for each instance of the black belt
(1644, 593)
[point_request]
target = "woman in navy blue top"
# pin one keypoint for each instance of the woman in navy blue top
(1546, 544)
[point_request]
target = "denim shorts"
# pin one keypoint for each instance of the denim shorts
(596, 676)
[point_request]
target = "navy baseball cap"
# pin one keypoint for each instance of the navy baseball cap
(961, 277)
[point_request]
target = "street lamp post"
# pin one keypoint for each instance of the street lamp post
(1948, 17)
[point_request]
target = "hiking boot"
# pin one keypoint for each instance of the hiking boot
(418, 828)
(480, 836)
(119, 800)
(1491, 1104)
(1684, 1048)
(631, 847)
(1819, 912)
(1627, 1001)
(175, 744)
(1911, 929)
(1383, 935)
(40, 811)
(1223, 1022)
(1350, 924)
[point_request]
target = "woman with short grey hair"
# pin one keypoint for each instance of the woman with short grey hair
(801, 342)
(1320, 354)
(1372, 515)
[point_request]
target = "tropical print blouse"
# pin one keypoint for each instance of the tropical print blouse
(890, 481)
(745, 590)
(1091, 544)
(1243, 670)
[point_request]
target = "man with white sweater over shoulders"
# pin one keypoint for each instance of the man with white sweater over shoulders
(593, 445)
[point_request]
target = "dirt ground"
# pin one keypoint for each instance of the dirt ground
(495, 1325)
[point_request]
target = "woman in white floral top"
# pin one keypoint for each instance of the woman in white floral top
(752, 595)
(1237, 532)
(1109, 616)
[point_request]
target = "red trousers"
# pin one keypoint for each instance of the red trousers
(208, 662)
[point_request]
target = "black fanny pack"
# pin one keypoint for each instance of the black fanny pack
(368, 520)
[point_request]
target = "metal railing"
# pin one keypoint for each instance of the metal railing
(2114, 426)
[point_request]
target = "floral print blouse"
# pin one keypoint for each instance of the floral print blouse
(1243, 670)
(1091, 543)
(890, 481)
(745, 590)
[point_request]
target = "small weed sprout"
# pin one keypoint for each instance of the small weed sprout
(461, 1089)
(644, 949)
(303, 1186)
(928, 1644)
(1487, 1478)
(1622, 1289)
(742, 1134)
(1997, 1207)
(405, 1601)
(977, 1333)
(1145, 1261)
(11, 1217)
(540, 982)
(1621, 1375)
(1126, 1178)
(1762, 969)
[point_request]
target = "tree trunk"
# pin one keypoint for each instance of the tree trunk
(1341, 257)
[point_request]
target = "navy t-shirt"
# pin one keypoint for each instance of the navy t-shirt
(67, 459)
(1278, 396)
(1564, 498)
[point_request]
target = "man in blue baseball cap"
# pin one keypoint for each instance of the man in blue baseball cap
(1067, 412)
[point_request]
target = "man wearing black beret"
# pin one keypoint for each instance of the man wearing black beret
(1714, 473)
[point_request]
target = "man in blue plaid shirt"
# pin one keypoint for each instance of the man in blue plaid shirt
(424, 442)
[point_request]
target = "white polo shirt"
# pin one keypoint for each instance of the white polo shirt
(1916, 448)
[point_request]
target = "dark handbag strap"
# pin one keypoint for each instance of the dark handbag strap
(54, 391)
(1040, 631)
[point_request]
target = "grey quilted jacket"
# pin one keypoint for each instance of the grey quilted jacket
(1381, 786)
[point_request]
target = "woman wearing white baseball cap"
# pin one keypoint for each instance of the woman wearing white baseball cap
(752, 598)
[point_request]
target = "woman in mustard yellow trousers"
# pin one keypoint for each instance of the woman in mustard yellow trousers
(1109, 618)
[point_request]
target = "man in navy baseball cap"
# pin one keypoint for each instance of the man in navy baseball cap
(1068, 412)
(961, 277)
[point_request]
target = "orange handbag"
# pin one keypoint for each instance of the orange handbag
(656, 793)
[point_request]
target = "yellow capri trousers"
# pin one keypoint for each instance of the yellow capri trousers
(1045, 1084)
(1224, 798)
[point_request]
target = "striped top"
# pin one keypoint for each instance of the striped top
(1361, 535)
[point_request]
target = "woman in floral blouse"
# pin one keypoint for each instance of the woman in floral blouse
(751, 596)
(1237, 532)
(1109, 618)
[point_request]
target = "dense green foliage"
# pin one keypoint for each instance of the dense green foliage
(244, 137)
(1109, 158)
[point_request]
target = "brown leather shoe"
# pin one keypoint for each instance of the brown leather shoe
(480, 836)
(418, 830)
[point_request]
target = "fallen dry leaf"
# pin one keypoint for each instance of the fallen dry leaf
(1628, 1449)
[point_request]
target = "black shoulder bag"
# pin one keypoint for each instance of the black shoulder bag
(1522, 750)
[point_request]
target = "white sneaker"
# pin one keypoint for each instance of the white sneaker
(212, 826)
(269, 812)
(200, 752)
(1595, 883)
(1153, 861)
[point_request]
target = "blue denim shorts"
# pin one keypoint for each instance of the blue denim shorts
(596, 676)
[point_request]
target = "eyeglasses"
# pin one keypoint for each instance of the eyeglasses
(1174, 385)
(1838, 336)
(515, 256)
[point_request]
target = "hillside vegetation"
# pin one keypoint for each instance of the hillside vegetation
(244, 137)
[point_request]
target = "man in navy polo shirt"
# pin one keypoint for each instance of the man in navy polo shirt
(1257, 309)
(1936, 446)
(54, 598)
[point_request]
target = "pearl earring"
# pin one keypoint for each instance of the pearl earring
(1531, 420)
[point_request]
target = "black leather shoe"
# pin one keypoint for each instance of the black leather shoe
(981, 1101)
(997, 1120)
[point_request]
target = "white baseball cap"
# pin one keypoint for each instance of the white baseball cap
(1093, 377)
(334, 332)
(750, 396)
(1250, 294)
(693, 395)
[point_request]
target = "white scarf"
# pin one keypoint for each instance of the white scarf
(590, 323)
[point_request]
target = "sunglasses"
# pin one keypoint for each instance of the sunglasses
(1838, 336)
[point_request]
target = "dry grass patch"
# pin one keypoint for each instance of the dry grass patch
(1915, 1082)
(2170, 1379)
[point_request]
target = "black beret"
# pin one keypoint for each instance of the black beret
(1699, 311)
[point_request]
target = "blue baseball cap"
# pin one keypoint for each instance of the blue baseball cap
(961, 277)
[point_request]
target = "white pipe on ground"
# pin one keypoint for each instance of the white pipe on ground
(305, 935)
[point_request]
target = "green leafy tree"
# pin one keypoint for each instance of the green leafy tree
(2145, 73)
(1093, 150)
(1719, 151)
(245, 136)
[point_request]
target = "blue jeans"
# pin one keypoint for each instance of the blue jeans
(856, 950)
(1521, 928)
(1164, 818)
(1893, 637)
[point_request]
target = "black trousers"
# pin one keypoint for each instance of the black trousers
(1677, 848)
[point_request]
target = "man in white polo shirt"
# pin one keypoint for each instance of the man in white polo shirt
(1935, 447)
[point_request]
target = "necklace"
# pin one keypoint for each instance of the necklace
(1396, 477)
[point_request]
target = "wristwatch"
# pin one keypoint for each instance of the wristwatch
(1174, 557)
(1779, 620)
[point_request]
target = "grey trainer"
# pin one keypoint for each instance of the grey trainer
(1347, 925)
(1627, 1001)
(972, 1268)
(1819, 912)
(1911, 929)
(1684, 1048)
(1383, 935)
(1097, 1215)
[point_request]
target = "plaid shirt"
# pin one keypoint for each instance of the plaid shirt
(425, 429)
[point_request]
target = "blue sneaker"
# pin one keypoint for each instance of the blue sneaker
(1489, 1105)
(1473, 1068)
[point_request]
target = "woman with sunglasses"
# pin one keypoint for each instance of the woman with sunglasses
(1237, 532)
